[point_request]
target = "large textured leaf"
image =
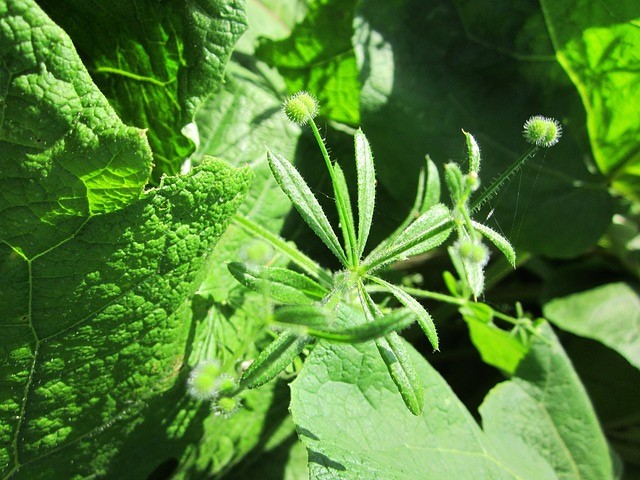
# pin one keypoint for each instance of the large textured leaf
(429, 69)
(371, 434)
(597, 44)
(65, 153)
(546, 405)
(609, 314)
(97, 326)
(318, 57)
(155, 61)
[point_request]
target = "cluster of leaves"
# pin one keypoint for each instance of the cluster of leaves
(111, 290)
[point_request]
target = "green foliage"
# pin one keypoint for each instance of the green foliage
(608, 313)
(596, 45)
(318, 57)
(377, 438)
(119, 316)
(156, 62)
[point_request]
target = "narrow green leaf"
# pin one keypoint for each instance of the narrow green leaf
(432, 189)
(424, 319)
(473, 153)
(345, 213)
(287, 248)
(404, 375)
(366, 188)
(498, 240)
(392, 322)
(455, 183)
(281, 284)
(273, 359)
(394, 356)
(305, 202)
(311, 316)
(428, 231)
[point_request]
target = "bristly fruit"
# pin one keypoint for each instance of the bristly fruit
(542, 131)
(203, 380)
(301, 108)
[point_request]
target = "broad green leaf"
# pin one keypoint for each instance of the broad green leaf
(497, 347)
(596, 44)
(305, 202)
(273, 19)
(155, 62)
(414, 59)
(274, 359)
(424, 319)
(98, 326)
(547, 407)
(318, 57)
(366, 188)
(65, 153)
(372, 434)
(609, 314)
(281, 284)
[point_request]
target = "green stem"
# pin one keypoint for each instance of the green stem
(346, 223)
(417, 292)
(491, 189)
(289, 250)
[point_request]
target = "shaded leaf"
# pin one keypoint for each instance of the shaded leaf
(318, 57)
(609, 314)
(546, 405)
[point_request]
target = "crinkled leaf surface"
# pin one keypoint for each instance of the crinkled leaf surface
(546, 405)
(318, 57)
(428, 70)
(95, 326)
(65, 153)
(348, 413)
(597, 44)
(155, 61)
(609, 314)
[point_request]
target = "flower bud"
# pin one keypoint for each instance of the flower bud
(301, 108)
(203, 380)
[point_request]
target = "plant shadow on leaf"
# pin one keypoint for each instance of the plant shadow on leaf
(442, 81)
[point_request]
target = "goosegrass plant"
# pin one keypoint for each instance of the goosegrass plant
(310, 296)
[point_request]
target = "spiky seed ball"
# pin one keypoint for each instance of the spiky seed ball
(226, 406)
(203, 380)
(542, 131)
(226, 384)
(301, 108)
